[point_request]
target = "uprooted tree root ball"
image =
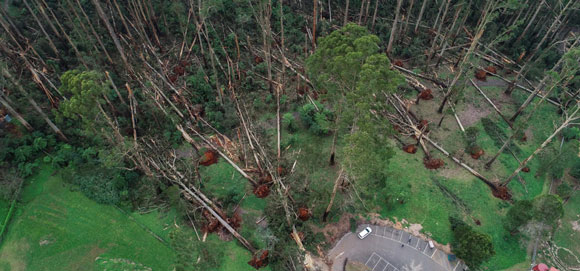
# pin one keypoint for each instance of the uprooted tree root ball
(303, 214)
(262, 191)
(477, 152)
(433, 163)
(426, 95)
(491, 70)
(259, 260)
(502, 192)
(411, 148)
(210, 157)
(481, 75)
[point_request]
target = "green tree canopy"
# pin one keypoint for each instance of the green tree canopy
(471, 246)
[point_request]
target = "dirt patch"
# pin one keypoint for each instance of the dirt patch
(575, 225)
(87, 258)
(471, 114)
(13, 255)
(334, 231)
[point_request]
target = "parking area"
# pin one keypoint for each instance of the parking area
(390, 249)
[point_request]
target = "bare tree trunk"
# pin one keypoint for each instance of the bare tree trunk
(420, 15)
(432, 50)
(394, 28)
(375, 15)
(314, 19)
(522, 72)
(105, 20)
(48, 20)
(447, 35)
(540, 5)
(409, 12)
(46, 35)
(7, 74)
(346, 13)
(517, 17)
(97, 36)
(362, 7)
(481, 28)
(569, 120)
(334, 189)
(517, 131)
(16, 114)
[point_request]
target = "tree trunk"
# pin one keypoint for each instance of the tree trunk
(565, 124)
(16, 114)
(114, 36)
(447, 35)
(531, 21)
(394, 28)
(46, 35)
(421, 15)
(481, 29)
(375, 15)
(48, 20)
(409, 12)
(334, 189)
(517, 131)
(314, 19)
(522, 72)
(346, 13)
(360, 14)
(97, 36)
(7, 74)
(432, 49)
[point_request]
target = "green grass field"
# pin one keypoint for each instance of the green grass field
(56, 229)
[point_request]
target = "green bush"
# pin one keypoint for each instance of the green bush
(471, 246)
(571, 133)
(289, 122)
(317, 121)
(518, 215)
(575, 169)
(564, 190)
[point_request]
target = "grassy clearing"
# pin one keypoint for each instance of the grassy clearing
(568, 233)
(56, 229)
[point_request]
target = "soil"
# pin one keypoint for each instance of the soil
(334, 231)
(471, 114)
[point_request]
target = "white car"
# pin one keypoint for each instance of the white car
(364, 233)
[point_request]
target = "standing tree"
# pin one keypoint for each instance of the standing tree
(336, 67)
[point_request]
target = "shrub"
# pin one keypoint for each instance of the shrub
(289, 122)
(471, 246)
(518, 215)
(575, 169)
(317, 121)
(564, 190)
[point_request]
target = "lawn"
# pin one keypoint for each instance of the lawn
(57, 229)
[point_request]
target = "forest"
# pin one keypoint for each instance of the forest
(255, 134)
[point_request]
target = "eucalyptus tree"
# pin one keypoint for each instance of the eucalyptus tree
(336, 67)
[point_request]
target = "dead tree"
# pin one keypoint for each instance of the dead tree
(32, 102)
(394, 28)
(570, 119)
(490, 6)
(522, 72)
(15, 113)
(334, 189)
(420, 15)
(112, 33)
(540, 5)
